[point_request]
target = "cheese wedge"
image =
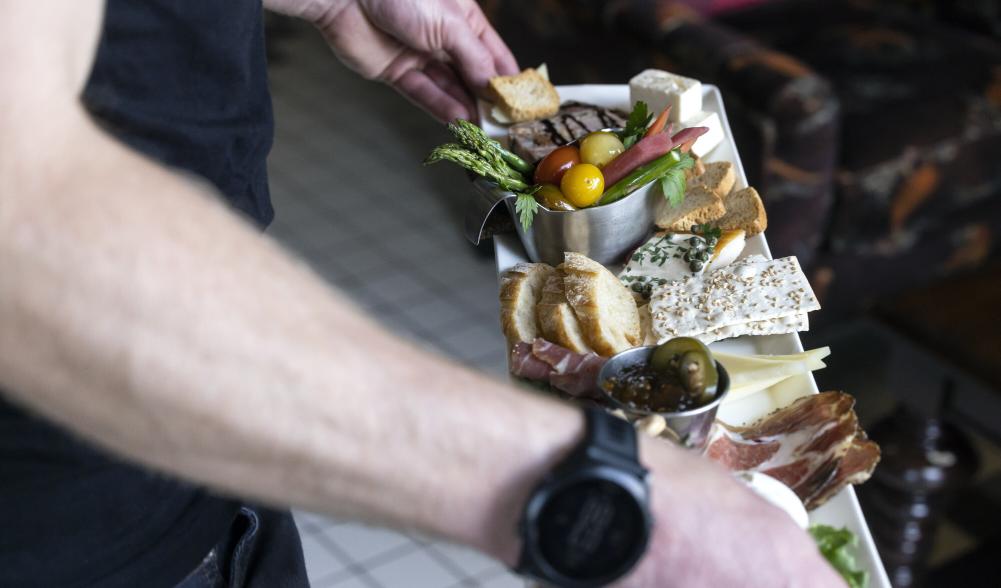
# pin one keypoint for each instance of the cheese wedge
(753, 373)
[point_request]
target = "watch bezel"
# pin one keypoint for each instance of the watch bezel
(533, 561)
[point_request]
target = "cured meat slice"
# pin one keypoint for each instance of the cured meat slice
(815, 446)
(573, 373)
(525, 365)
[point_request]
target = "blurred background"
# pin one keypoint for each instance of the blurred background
(872, 131)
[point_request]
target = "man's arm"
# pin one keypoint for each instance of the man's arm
(138, 312)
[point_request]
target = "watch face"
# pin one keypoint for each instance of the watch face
(590, 529)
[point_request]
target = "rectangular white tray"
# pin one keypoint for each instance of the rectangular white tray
(842, 510)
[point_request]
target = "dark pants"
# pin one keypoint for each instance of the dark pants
(262, 550)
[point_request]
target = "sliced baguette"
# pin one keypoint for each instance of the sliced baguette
(606, 310)
(719, 177)
(700, 205)
(745, 211)
(557, 321)
(525, 96)
(520, 290)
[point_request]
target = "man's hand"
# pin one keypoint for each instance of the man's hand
(437, 53)
(709, 530)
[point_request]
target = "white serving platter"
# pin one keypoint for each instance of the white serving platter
(842, 510)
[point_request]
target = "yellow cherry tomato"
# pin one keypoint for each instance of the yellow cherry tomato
(582, 185)
(600, 147)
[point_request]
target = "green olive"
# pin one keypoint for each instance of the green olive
(693, 362)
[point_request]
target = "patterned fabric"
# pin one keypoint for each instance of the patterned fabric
(874, 135)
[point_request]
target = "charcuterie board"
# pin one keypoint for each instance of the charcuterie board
(842, 510)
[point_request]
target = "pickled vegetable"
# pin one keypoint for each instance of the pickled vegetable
(582, 185)
(693, 364)
(550, 196)
(600, 147)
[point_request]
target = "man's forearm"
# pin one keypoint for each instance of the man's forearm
(143, 315)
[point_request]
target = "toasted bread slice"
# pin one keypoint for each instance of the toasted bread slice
(744, 210)
(603, 305)
(557, 321)
(520, 290)
(525, 96)
(719, 177)
(701, 205)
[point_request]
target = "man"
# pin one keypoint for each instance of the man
(147, 319)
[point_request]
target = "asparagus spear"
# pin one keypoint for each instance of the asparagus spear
(475, 139)
(476, 164)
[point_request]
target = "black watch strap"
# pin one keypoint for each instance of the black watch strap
(609, 437)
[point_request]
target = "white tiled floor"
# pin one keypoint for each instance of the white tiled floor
(352, 198)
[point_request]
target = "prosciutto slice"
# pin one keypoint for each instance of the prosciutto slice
(815, 446)
(573, 373)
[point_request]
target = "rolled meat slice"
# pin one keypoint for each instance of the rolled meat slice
(573, 373)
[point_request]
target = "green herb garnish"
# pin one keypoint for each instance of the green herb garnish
(708, 231)
(834, 545)
(526, 207)
(673, 182)
(639, 119)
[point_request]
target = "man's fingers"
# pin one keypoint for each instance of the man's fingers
(504, 60)
(470, 55)
(445, 78)
(424, 92)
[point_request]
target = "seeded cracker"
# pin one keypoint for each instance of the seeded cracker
(753, 296)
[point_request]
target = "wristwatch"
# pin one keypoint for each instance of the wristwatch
(588, 522)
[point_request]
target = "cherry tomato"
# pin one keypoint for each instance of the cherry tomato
(600, 147)
(552, 167)
(549, 195)
(582, 185)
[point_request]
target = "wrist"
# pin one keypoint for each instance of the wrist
(530, 450)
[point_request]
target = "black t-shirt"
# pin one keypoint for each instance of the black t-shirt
(186, 83)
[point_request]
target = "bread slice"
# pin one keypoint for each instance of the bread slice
(719, 177)
(525, 96)
(606, 310)
(557, 320)
(701, 205)
(520, 290)
(744, 210)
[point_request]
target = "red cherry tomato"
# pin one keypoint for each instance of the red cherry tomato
(552, 167)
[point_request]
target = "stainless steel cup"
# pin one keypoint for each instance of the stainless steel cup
(606, 233)
(689, 428)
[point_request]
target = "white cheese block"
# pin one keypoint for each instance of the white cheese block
(660, 89)
(712, 138)
(754, 294)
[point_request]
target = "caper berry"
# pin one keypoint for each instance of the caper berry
(696, 266)
(695, 241)
(712, 241)
(695, 229)
(637, 287)
(702, 256)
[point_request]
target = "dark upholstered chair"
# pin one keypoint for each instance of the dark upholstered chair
(874, 135)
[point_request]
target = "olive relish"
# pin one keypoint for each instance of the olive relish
(680, 375)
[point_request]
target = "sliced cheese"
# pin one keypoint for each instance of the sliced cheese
(660, 89)
(753, 373)
(712, 138)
